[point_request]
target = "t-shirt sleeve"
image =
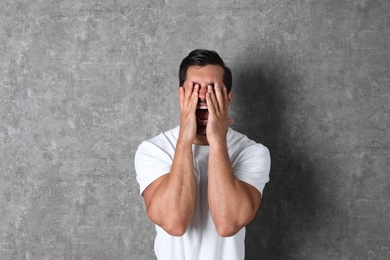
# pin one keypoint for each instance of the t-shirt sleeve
(151, 162)
(253, 166)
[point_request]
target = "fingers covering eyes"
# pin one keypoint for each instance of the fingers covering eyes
(218, 96)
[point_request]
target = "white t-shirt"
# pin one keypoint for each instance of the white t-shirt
(251, 164)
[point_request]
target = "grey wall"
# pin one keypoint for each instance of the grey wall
(82, 83)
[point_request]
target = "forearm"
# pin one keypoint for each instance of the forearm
(230, 203)
(173, 202)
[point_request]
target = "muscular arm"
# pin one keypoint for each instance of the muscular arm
(232, 203)
(170, 200)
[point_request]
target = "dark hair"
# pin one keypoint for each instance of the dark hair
(201, 57)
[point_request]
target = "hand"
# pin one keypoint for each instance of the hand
(218, 121)
(188, 99)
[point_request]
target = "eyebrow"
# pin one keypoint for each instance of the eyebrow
(211, 83)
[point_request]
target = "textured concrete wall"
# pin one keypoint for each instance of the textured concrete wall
(82, 83)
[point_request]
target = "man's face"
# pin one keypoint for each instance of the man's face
(203, 76)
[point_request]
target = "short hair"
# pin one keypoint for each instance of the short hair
(202, 57)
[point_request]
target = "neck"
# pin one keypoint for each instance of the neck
(201, 140)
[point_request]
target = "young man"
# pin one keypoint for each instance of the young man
(202, 181)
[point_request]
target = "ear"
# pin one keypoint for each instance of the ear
(230, 96)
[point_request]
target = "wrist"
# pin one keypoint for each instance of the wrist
(219, 143)
(186, 135)
(217, 138)
(184, 141)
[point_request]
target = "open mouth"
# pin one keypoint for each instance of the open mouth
(202, 114)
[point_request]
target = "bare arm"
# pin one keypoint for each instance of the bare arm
(170, 200)
(233, 203)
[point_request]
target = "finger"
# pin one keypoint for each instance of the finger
(181, 97)
(218, 95)
(211, 100)
(195, 97)
(221, 95)
(210, 105)
(211, 90)
(189, 89)
(225, 96)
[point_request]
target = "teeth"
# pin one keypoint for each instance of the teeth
(202, 107)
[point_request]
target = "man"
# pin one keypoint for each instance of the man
(202, 181)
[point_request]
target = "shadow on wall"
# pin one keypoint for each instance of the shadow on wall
(263, 91)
